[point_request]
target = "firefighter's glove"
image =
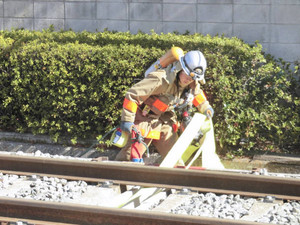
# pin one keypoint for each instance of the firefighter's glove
(209, 112)
(126, 126)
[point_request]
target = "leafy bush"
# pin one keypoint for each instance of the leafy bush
(68, 89)
(67, 83)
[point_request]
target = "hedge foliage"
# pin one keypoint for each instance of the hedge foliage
(68, 83)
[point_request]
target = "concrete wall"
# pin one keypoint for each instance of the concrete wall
(274, 23)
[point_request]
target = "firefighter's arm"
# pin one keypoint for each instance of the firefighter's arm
(203, 106)
(138, 93)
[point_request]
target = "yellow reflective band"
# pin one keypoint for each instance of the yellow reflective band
(199, 99)
(129, 105)
(153, 134)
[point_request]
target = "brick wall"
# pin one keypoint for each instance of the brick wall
(274, 23)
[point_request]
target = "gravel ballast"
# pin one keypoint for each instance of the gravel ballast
(235, 207)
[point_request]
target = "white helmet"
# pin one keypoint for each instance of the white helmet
(194, 64)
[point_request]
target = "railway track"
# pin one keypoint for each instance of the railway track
(131, 174)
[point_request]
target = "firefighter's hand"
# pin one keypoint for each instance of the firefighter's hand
(209, 112)
(126, 126)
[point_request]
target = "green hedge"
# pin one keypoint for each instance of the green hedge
(67, 83)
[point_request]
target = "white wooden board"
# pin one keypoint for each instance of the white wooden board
(210, 160)
(183, 141)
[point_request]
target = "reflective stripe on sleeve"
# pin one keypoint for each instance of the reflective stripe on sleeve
(199, 99)
(129, 105)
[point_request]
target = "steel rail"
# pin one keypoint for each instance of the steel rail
(156, 175)
(144, 184)
(81, 214)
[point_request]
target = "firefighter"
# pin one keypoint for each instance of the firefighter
(150, 104)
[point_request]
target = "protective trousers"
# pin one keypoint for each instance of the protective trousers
(166, 141)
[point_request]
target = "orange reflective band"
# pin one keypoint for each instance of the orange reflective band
(199, 99)
(161, 106)
(153, 134)
(129, 105)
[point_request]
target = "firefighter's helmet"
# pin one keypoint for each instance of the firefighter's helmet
(194, 64)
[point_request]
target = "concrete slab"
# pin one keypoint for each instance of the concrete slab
(172, 201)
(18, 9)
(80, 10)
(15, 187)
(97, 195)
(49, 10)
(145, 11)
(115, 11)
(171, 12)
(278, 158)
(214, 13)
(258, 209)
